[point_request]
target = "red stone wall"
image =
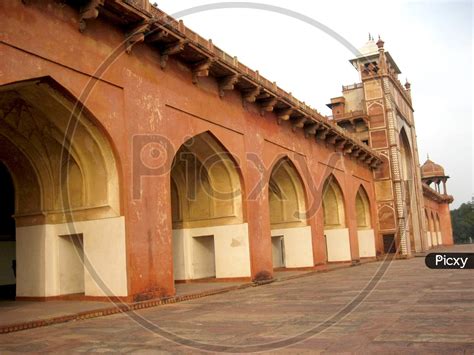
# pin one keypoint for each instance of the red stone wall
(134, 102)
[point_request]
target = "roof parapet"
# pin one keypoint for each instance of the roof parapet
(173, 38)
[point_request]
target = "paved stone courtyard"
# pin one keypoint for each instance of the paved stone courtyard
(411, 309)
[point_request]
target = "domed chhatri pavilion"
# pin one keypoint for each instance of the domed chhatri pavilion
(436, 202)
(135, 154)
(434, 173)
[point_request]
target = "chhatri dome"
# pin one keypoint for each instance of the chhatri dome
(369, 48)
(430, 169)
(432, 172)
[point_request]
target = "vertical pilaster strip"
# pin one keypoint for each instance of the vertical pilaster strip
(396, 174)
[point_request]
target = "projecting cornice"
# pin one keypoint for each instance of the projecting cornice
(142, 22)
(428, 192)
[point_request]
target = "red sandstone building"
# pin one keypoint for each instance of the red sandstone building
(134, 154)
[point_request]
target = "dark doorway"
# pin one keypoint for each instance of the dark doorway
(389, 246)
(7, 236)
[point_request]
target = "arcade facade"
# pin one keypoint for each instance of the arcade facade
(173, 162)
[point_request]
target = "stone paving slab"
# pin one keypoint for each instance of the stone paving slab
(411, 310)
(198, 287)
(12, 312)
(21, 315)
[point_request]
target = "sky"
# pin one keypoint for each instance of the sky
(431, 41)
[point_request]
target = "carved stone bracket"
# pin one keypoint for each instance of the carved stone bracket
(227, 83)
(136, 35)
(298, 123)
(322, 133)
(284, 114)
(356, 152)
(170, 49)
(251, 95)
(263, 95)
(157, 35)
(341, 144)
(332, 139)
(89, 11)
(201, 69)
(347, 149)
(267, 105)
(311, 129)
(362, 156)
(369, 160)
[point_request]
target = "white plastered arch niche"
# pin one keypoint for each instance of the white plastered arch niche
(290, 233)
(365, 233)
(67, 193)
(210, 236)
(335, 231)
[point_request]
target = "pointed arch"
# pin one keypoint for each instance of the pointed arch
(406, 155)
(65, 168)
(75, 169)
(333, 204)
(205, 184)
(210, 238)
(409, 188)
(363, 209)
(386, 218)
(365, 233)
(338, 244)
(286, 195)
(290, 233)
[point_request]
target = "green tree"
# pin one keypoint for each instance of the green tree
(463, 223)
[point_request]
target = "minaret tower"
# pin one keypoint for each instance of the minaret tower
(391, 131)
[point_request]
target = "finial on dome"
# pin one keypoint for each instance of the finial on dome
(407, 84)
(427, 156)
(380, 43)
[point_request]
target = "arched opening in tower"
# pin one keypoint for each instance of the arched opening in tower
(409, 197)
